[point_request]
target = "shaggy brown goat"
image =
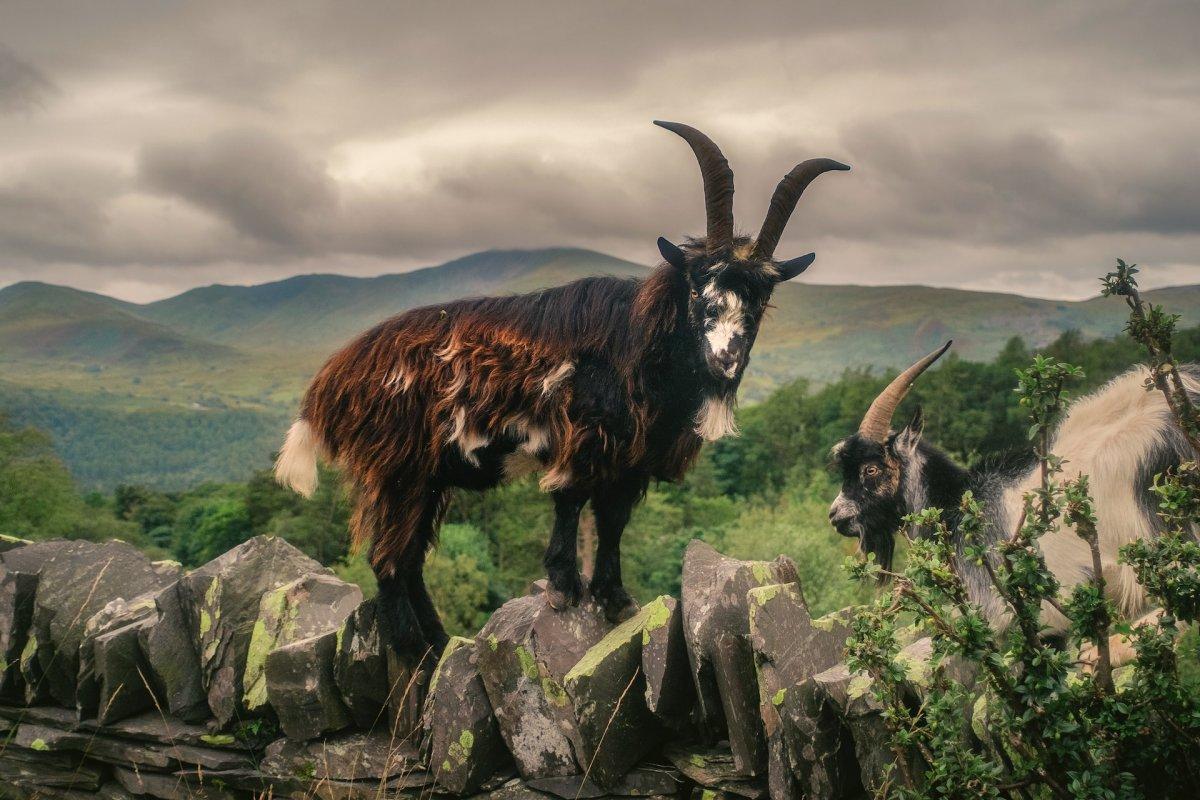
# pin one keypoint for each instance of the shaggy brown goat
(604, 384)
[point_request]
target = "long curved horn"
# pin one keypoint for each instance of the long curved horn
(783, 202)
(878, 421)
(718, 184)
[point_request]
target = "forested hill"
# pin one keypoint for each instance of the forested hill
(199, 386)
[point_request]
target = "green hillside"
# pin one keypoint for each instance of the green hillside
(43, 322)
(320, 311)
(200, 386)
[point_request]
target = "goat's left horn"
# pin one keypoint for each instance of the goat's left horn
(783, 202)
(718, 184)
(878, 420)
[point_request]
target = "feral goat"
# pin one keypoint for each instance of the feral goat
(1120, 436)
(603, 384)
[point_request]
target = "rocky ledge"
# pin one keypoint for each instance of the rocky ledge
(261, 674)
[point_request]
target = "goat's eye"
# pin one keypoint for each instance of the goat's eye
(695, 294)
(871, 471)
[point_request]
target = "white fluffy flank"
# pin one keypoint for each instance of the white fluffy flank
(1106, 435)
(715, 419)
(296, 466)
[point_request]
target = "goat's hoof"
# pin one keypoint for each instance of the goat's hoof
(618, 605)
(566, 595)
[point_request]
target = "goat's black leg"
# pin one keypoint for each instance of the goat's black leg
(400, 624)
(427, 615)
(433, 633)
(565, 588)
(612, 506)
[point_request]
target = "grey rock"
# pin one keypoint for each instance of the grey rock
(41, 771)
(515, 789)
(116, 750)
(713, 768)
(365, 757)
(306, 607)
(76, 582)
(17, 590)
(20, 566)
(822, 748)
(167, 787)
(648, 781)
(849, 695)
(463, 739)
(716, 624)
(608, 689)
(221, 600)
(171, 658)
(670, 693)
(790, 647)
(117, 687)
(52, 740)
(523, 654)
(360, 667)
(407, 684)
(301, 687)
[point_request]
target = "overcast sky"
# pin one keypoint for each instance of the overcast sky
(149, 147)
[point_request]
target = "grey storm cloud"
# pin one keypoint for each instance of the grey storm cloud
(148, 147)
(22, 86)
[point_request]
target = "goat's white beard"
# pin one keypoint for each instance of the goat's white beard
(715, 419)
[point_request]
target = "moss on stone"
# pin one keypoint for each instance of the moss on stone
(217, 739)
(29, 652)
(624, 635)
(778, 698)
(528, 665)
(859, 685)
(916, 670)
(212, 592)
(39, 745)
(657, 616)
(452, 646)
(761, 571)
(554, 693)
(459, 752)
(275, 625)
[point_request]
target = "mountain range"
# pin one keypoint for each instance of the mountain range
(199, 386)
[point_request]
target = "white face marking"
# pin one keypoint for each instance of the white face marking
(729, 325)
(842, 508)
(715, 419)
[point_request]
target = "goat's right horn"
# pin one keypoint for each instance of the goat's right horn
(783, 202)
(718, 184)
(878, 420)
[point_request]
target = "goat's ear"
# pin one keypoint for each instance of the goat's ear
(794, 266)
(906, 441)
(672, 254)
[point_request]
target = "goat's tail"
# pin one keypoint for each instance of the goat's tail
(296, 466)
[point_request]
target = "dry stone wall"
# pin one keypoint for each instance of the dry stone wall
(261, 674)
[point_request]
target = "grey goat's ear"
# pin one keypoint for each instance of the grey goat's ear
(672, 254)
(906, 441)
(794, 266)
